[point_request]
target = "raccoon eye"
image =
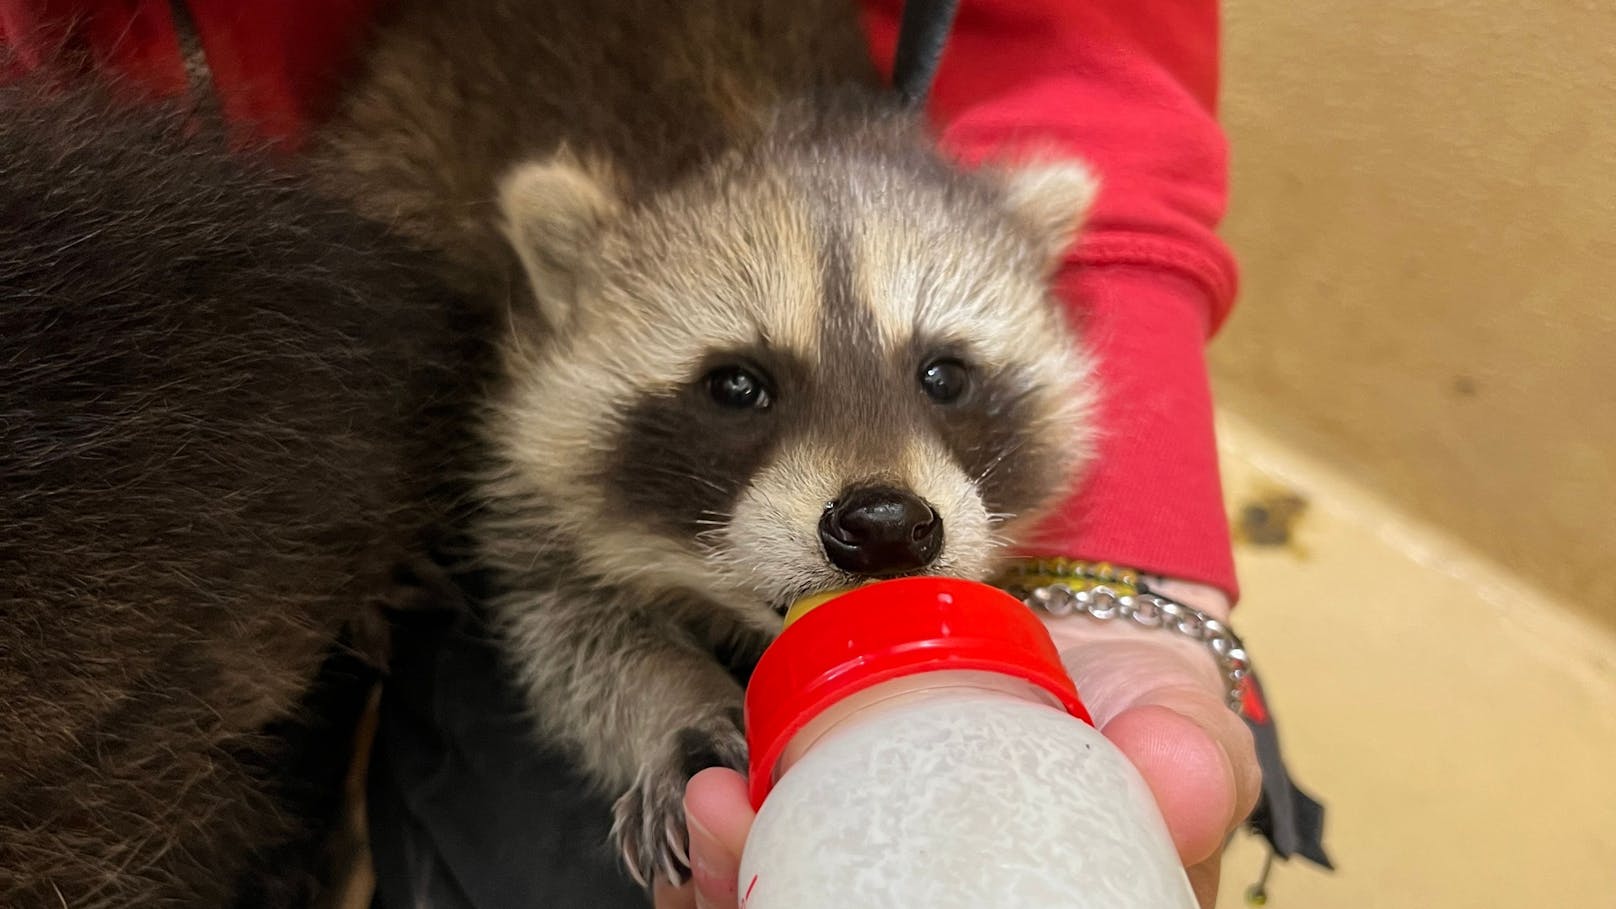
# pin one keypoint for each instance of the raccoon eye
(738, 388)
(945, 380)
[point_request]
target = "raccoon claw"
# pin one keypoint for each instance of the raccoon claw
(649, 820)
(675, 838)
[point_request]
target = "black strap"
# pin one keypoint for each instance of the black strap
(1288, 818)
(921, 36)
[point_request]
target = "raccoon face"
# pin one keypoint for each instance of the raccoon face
(798, 370)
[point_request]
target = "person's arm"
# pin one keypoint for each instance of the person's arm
(1128, 86)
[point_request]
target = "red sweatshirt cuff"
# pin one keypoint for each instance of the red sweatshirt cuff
(1152, 500)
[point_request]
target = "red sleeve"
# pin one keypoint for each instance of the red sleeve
(274, 64)
(133, 40)
(1129, 86)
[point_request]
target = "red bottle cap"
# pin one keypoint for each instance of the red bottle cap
(885, 631)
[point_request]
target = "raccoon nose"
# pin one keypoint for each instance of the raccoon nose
(879, 531)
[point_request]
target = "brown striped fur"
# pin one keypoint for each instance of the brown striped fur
(225, 408)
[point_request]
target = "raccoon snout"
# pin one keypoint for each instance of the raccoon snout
(879, 531)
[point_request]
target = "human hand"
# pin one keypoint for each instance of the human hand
(719, 816)
(1157, 696)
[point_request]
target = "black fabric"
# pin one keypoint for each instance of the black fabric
(921, 35)
(306, 766)
(466, 810)
(1291, 820)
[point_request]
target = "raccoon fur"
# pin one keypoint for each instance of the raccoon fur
(225, 406)
(765, 341)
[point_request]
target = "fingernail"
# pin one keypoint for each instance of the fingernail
(704, 847)
(702, 841)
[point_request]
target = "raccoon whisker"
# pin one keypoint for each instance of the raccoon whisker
(672, 473)
(514, 335)
(711, 549)
(538, 554)
(709, 544)
(994, 464)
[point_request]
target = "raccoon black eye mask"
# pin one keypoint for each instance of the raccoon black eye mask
(873, 531)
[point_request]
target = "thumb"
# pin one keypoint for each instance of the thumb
(1197, 758)
(719, 816)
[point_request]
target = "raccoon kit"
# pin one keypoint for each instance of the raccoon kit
(225, 408)
(765, 342)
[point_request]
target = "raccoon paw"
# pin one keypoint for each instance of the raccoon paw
(648, 824)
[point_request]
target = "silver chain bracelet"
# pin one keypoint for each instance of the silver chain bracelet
(1150, 610)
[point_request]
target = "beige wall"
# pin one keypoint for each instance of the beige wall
(1425, 213)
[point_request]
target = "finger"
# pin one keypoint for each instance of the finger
(1231, 733)
(719, 817)
(1204, 879)
(1200, 767)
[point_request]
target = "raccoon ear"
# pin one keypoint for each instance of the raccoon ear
(551, 212)
(1051, 199)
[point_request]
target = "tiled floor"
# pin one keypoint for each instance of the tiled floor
(1461, 728)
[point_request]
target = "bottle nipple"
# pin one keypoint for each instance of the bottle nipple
(807, 604)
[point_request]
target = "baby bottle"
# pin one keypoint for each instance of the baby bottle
(917, 743)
